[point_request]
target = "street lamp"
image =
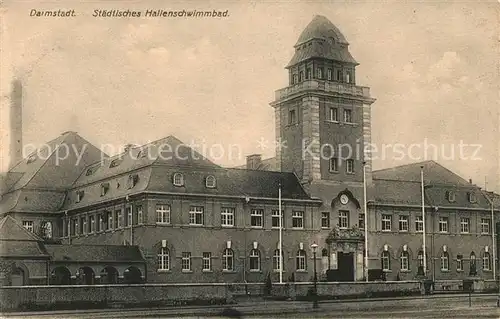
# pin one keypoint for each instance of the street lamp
(314, 247)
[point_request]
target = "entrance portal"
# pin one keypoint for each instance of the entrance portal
(345, 266)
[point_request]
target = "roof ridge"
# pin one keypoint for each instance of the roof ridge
(403, 165)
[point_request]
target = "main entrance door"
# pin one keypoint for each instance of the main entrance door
(345, 266)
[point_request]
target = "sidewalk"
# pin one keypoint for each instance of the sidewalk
(265, 307)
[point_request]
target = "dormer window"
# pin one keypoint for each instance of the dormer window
(132, 180)
(114, 163)
(31, 159)
(178, 179)
(104, 188)
(210, 182)
(472, 197)
(89, 172)
(450, 196)
(79, 196)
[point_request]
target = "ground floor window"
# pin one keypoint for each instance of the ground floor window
(301, 260)
(405, 261)
(386, 261)
(228, 260)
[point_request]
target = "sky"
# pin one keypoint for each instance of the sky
(432, 67)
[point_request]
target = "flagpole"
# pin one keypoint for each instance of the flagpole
(423, 218)
(366, 221)
(280, 234)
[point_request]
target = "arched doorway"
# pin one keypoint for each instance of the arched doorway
(86, 276)
(61, 276)
(132, 275)
(109, 275)
(17, 277)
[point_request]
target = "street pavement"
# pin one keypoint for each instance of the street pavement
(456, 306)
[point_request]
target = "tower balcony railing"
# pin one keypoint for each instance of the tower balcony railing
(321, 85)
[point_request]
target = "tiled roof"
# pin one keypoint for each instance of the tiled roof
(397, 192)
(94, 253)
(52, 166)
(434, 173)
(325, 50)
(10, 229)
(321, 28)
(168, 151)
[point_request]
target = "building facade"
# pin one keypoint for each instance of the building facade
(182, 218)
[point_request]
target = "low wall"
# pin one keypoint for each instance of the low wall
(106, 296)
(347, 289)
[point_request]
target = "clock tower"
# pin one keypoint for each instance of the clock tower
(323, 123)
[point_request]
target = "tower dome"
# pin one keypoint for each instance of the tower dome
(321, 28)
(321, 39)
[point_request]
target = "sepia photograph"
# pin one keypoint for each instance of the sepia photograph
(249, 159)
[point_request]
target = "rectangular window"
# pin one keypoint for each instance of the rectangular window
(256, 219)
(343, 219)
(275, 219)
(464, 225)
(386, 222)
(196, 215)
(460, 263)
(443, 224)
(319, 73)
(301, 76)
(403, 223)
(207, 261)
(349, 168)
(162, 214)
(325, 220)
(292, 117)
(110, 220)
(339, 75)
(298, 220)
(92, 224)
(83, 225)
(308, 73)
(74, 226)
(294, 79)
(227, 217)
(128, 220)
(329, 74)
(119, 218)
(139, 214)
(28, 224)
(419, 224)
(348, 77)
(348, 116)
(100, 225)
(333, 114)
(186, 261)
(334, 164)
(485, 225)
(361, 220)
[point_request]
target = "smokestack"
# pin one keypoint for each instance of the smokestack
(16, 123)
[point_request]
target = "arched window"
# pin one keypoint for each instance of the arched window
(445, 261)
(210, 181)
(46, 230)
(163, 259)
(178, 179)
(324, 252)
(276, 260)
(300, 260)
(420, 258)
(228, 260)
(486, 261)
(254, 260)
(472, 267)
(386, 261)
(405, 261)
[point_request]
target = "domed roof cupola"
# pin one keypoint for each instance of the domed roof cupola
(321, 28)
(321, 39)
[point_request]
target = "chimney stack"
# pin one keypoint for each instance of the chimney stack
(470, 180)
(253, 161)
(16, 123)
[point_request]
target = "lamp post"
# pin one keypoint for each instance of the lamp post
(314, 247)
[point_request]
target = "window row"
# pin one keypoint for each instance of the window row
(335, 163)
(443, 224)
(444, 261)
(107, 220)
(331, 74)
(451, 197)
(164, 260)
(332, 116)
(178, 180)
